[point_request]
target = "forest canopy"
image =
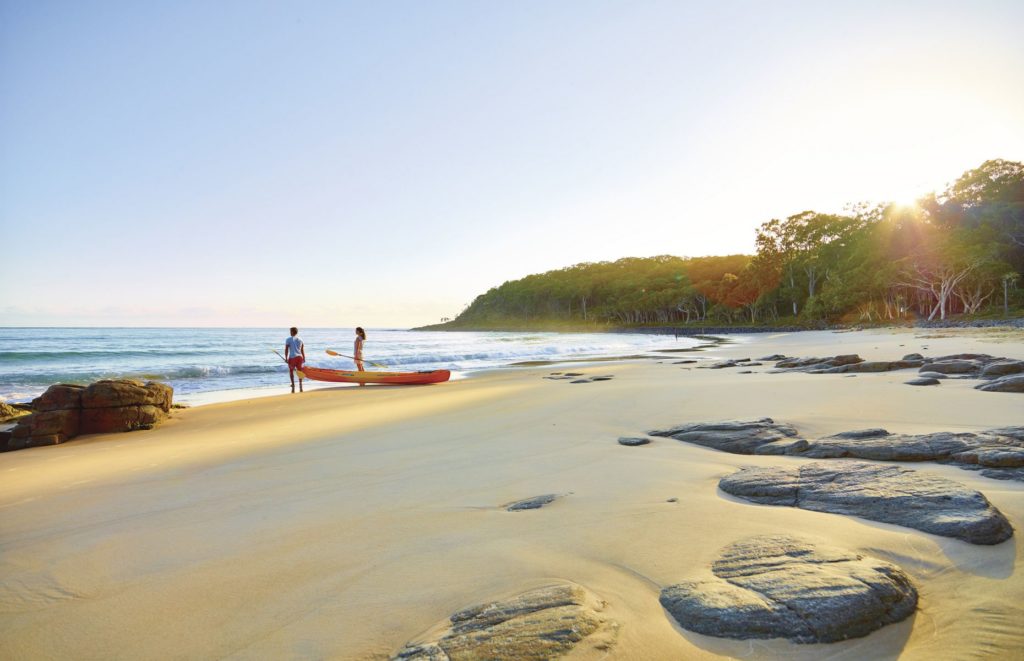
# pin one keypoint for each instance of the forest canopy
(959, 251)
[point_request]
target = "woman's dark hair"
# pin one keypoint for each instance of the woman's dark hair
(360, 332)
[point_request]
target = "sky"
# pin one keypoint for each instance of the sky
(382, 163)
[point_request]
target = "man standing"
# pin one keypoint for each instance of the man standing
(295, 355)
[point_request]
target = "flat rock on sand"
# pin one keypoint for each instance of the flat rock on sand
(777, 586)
(544, 623)
(891, 494)
(998, 453)
(534, 503)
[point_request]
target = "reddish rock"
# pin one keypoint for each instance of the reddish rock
(23, 428)
(122, 393)
(50, 439)
(59, 397)
(120, 418)
(46, 423)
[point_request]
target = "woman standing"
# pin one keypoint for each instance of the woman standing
(357, 351)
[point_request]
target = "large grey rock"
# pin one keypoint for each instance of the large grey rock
(953, 367)
(784, 587)
(923, 381)
(544, 623)
(1012, 383)
(633, 441)
(731, 436)
(890, 494)
(1002, 368)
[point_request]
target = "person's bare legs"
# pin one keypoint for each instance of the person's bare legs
(359, 366)
(291, 376)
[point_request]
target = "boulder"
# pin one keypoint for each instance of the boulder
(914, 356)
(120, 419)
(923, 381)
(1002, 368)
(890, 494)
(123, 392)
(59, 397)
(42, 441)
(544, 623)
(772, 358)
(45, 423)
(777, 586)
(952, 367)
(1011, 383)
(932, 375)
(633, 441)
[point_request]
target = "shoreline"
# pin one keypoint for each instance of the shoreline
(349, 522)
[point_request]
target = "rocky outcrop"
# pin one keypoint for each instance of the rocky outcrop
(890, 494)
(544, 623)
(990, 451)
(65, 411)
(961, 365)
(784, 587)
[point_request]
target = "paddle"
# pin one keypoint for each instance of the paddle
(331, 352)
(302, 375)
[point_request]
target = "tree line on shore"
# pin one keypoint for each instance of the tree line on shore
(959, 251)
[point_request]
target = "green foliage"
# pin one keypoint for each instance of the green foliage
(958, 251)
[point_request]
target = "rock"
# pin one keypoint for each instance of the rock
(573, 374)
(914, 356)
(932, 375)
(120, 419)
(580, 381)
(683, 362)
(767, 437)
(777, 586)
(532, 503)
(952, 367)
(59, 397)
(923, 381)
(873, 432)
(121, 393)
(1011, 383)
(8, 412)
(735, 437)
(602, 378)
(772, 358)
(49, 439)
(543, 623)
(64, 422)
(672, 500)
(890, 494)
(633, 441)
(1003, 368)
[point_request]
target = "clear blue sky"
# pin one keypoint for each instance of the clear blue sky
(380, 163)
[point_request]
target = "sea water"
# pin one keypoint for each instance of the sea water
(209, 364)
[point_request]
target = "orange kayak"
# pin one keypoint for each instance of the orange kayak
(390, 378)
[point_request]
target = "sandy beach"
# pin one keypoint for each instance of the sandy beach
(344, 523)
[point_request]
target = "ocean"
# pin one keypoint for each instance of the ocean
(215, 364)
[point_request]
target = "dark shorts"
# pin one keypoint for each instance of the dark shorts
(295, 363)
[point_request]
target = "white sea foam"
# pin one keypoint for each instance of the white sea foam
(197, 361)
